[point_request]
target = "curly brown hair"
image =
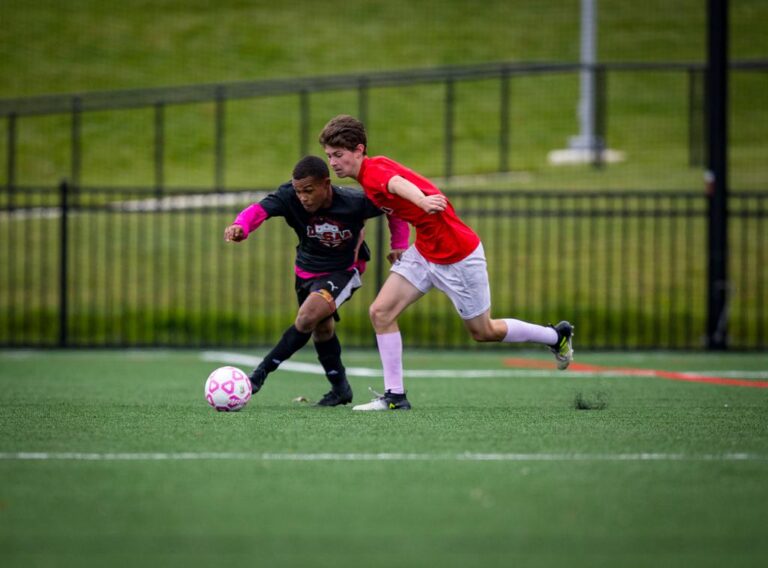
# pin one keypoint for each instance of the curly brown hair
(344, 131)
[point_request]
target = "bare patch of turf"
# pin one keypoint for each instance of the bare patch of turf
(580, 402)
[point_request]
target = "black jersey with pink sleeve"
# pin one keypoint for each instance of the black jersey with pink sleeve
(328, 238)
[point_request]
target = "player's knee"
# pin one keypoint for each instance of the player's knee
(305, 323)
(480, 335)
(380, 317)
(483, 334)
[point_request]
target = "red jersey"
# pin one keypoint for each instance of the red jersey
(442, 237)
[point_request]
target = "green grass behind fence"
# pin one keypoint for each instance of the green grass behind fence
(56, 48)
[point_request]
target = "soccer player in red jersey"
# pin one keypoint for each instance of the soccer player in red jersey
(446, 255)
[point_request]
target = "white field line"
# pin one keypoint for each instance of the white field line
(315, 369)
(377, 457)
(733, 374)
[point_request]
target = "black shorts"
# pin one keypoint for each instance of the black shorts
(338, 286)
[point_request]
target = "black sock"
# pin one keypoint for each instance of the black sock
(291, 341)
(329, 354)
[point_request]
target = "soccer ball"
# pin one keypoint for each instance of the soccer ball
(228, 389)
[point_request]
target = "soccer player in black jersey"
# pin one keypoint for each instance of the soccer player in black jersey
(329, 222)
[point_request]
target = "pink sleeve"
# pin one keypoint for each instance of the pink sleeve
(399, 232)
(251, 218)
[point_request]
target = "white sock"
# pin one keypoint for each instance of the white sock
(519, 331)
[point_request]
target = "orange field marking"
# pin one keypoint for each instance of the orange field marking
(625, 371)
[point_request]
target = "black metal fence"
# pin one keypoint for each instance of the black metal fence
(123, 268)
(143, 263)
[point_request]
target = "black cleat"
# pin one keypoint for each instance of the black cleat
(386, 401)
(563, 349)
(337, 396)
(257, 377)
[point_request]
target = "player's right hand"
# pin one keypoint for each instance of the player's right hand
(433, 203)
(234, 233)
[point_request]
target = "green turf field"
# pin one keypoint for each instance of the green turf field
(113, 459)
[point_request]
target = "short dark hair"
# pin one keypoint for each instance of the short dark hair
(344, 131)
(311, 166)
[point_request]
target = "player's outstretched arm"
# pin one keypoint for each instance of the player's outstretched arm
(407, 190)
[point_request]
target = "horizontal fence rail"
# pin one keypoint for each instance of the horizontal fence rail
(162, 101)
(186, 94)
(122, 268)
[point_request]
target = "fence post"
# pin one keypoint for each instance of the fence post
(159, 148)
(11, 160)
(599, 142)
(63, 251)
(362, 99)
(220, 138)
(504, 122)
(449, 100)
(695, 118)
(717, 173)
(379, 251)
(303, 123)
(76, 135)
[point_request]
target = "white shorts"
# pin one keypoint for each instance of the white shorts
(464, 282)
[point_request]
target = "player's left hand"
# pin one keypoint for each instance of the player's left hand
(394, 255)
(234, 233)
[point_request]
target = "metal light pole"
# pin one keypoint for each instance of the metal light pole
(587, 139)
(589, 146)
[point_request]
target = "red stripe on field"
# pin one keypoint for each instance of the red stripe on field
(672, 375)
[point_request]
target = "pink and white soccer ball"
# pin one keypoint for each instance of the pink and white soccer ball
(228, 389)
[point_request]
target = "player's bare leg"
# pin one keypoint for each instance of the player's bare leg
(395, 296)
(559, 338)
(315, 309)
